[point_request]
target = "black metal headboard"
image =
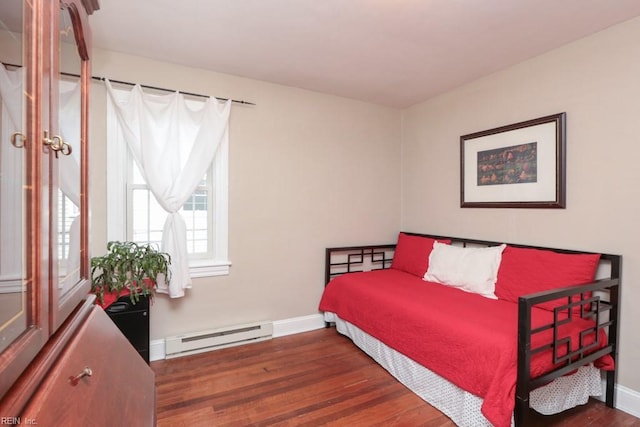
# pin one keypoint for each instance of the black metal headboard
(349, 259)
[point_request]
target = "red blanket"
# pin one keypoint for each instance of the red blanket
(468, 339)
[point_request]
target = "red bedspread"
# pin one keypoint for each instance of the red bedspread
(466, 338)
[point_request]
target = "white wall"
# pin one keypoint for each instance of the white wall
(596, 81)
(307, 171)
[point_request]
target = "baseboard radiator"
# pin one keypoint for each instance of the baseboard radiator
(198, 342)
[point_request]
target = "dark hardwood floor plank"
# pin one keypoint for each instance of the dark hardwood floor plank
(316, 378)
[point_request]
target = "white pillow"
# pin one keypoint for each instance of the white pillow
(470, 269)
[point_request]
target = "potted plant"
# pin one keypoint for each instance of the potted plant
(128, 268)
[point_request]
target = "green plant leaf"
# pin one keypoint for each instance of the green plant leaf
(128, 265)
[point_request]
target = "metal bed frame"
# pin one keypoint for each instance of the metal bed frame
(598, 301)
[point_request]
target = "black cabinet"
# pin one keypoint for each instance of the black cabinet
(133, 321)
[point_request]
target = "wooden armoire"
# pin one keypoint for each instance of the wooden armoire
(62, 360)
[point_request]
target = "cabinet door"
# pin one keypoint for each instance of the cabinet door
(23, 316)
(69, 274)
(99, 381)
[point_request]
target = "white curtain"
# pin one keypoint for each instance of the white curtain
(69, 178)
(157, 128)
(70, 122)
(11, 94)
(12, 178)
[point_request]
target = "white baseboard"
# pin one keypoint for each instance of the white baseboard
(297, 325)
(628, 400)
(281, 328)
(156, 350)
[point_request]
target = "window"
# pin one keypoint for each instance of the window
(147, 216)
(135, 215)
(67, 213)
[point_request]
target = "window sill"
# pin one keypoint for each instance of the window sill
(210, 270)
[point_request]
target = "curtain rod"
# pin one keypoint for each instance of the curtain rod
(102, 79)
(237, 101)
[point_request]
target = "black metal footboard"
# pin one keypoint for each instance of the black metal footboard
(598, 301)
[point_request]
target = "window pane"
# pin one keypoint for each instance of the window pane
(197, 202)
(67, 212)
(149, 217)
(196, 215)
(140, 220)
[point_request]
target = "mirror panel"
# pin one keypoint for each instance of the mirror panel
(14, 279)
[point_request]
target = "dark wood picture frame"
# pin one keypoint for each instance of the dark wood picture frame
(522, 165)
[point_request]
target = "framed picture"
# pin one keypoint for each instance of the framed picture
(516, 166)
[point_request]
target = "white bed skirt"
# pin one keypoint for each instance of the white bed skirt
(459, 405)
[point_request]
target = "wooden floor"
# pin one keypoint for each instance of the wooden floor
(316, 378)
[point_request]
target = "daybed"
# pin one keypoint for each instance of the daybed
(481, 330)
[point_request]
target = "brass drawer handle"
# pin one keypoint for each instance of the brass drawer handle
(86, 372)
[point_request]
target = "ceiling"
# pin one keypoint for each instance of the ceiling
(389, 52)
